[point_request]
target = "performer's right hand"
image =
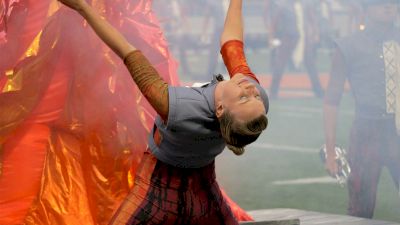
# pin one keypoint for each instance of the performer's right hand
(330, 163)
(74, 4)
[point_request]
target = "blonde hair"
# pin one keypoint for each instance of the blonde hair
(239, 134)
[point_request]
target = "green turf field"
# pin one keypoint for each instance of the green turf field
(288, 150)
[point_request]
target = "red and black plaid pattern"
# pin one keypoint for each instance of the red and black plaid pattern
(163, 194)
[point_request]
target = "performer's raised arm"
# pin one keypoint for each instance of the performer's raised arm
(232, 48)
(152, 86)
(233, 28)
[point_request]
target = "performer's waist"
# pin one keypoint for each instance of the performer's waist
(175, 177)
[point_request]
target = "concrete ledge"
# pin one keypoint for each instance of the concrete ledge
(310, 218)
(280, 222)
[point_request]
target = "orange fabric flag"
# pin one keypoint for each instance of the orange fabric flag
(73, 125)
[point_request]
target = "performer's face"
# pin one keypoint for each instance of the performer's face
(242, 99)
(383, 12)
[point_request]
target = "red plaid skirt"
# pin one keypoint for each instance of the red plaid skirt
(163, 194)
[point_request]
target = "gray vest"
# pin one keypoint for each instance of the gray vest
(191, 138)
(363, 54)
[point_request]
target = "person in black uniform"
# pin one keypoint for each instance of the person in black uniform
(368, 60)
(293, 34)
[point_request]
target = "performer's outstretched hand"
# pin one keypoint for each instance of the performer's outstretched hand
(74, 4)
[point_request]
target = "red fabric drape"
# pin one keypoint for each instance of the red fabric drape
(73, 125)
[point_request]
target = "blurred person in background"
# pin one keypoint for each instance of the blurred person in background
(198, 27)
(369, 61)
(293, 33)
(324, 18)
(214, 17)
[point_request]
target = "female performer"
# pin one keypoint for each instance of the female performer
(175, 183)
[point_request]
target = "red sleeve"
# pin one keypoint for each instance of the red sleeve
(235, 61)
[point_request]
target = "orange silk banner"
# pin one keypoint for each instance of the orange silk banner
(73, 125)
